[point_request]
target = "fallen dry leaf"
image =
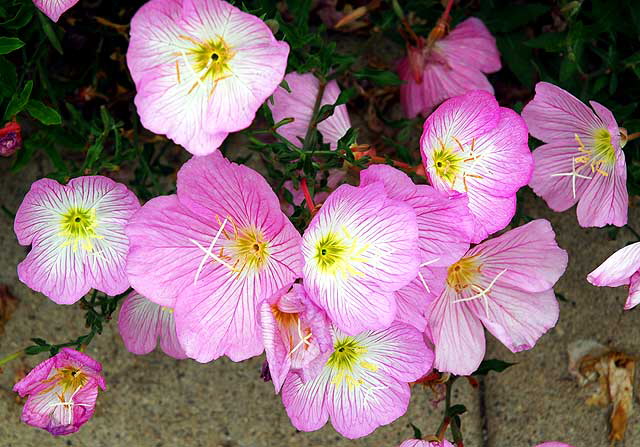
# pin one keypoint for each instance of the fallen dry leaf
(613, 371)
(8, 304)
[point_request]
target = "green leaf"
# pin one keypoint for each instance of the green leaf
(517, 57)
(39, 342)
(43, 113)
(491, 365)
(417, 434)
(9, 44)
(19, 101)
(33, 350)
(379, 77)
(456, 410)
(552, 42)
(22, 17)
(513, 17)
(8, 78)
(50, 32)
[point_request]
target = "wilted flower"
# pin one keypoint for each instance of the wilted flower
(142, 323)
(10, 139)
(54, 8)
(444, 230)
(202, 69)
(214, 252)
(505, 284)
(299, 105)
(296, 335)
(358, 250)
(621, 269)
(472, 145)
(582, 161)
(441, 68)
(77, 237)
(364, 383)
(62, 392)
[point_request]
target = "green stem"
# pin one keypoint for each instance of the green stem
(10, 357)
(447, 404)
(310, 136)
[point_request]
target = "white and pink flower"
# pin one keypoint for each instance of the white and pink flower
(472, 145)
(621, 269)
(54, 8)
(582, 161)
(214, 252)
(77, 237)
(202, 69)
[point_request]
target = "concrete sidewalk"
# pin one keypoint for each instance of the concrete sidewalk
(155, 401)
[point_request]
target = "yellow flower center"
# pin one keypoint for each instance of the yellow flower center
(602, 157)
(453, 166)
(206, 60)
(463, 273)
(78, 227)
(250, 248)
(447, 164)
(335, 253)
(347, 355)
(71, 378)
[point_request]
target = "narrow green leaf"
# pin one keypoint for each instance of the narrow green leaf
(456, 410)
(9, 44)
(33, 350)
(379, 77)
(417, 434)
(491, 365)
(50, 32)
(552, 42)
(43, 113)
(19, 101)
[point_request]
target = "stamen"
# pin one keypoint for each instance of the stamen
(482, 293)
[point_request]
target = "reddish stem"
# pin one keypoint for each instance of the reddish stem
(307, 195)
(633, 136)
(447, 10)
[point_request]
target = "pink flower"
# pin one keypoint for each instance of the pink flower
(142, 322)
(296, 335)
(54, 8)
(299, 105)
(202, 69)
(364, 383)
(439, 69)
(420, 443)
(553, 444)
(10, 139)
(621, 269)
(214, 252)
(358, 250)
(472, 145)
(505, 284)
(582, 161)
(62, 392)
(444, 230)
(77, 237)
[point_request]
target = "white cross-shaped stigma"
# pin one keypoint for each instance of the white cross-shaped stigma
(482, 293)
(573, 174)
(421, 276)
(208, 253)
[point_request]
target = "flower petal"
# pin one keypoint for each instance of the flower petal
(618, 268)
(54, 8)
(634, 292)
(472, 43)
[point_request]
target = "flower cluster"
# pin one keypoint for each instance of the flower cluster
(390, 279)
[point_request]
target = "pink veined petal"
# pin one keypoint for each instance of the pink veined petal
(489, 213)
(353, 415)
(299, 104)
(138, 323)
(169, 342)
(555, 114)
(54, 8)
(162, 260)
(420, 443)
(457, 334)
(609, 121)
(553, 159)
(553, 444)
(413, 300)
(618, 268)
(411, 92)
(471, 43)
(529, 256)
(275, 350)
(381, 239)
(634, 292)
(504, 160)
(256, 73)
(305, 403)
(605, 200)
(517, 318)
(464, 117)
(444, 223)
